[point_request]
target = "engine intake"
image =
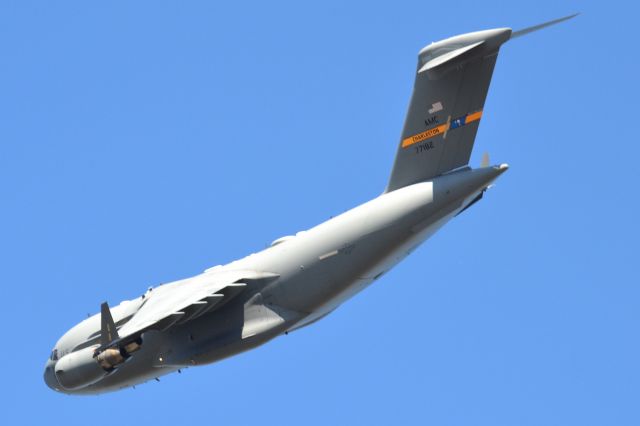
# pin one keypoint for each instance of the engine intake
(79, 369)
(84, 367)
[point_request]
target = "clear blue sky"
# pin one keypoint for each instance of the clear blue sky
(142, 143)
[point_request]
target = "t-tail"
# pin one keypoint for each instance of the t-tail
(451, 85)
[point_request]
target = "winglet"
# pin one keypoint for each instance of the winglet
(108, 331)
(528, 30)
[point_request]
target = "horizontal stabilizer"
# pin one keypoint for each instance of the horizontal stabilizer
(454, 58)
(528, 30)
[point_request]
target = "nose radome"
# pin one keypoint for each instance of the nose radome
(50, 376)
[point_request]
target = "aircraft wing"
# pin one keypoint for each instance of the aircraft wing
(185, 300)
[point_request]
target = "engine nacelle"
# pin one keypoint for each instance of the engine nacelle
(84, 367)
(79, 369)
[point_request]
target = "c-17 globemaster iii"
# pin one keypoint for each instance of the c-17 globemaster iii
(299, 279)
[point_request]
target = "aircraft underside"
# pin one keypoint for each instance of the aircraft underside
(300, 279)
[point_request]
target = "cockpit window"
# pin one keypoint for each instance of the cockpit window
(54, 355)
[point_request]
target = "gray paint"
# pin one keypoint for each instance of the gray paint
(232, 308)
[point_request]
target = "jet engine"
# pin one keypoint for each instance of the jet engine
(79, 369)
(85, 367)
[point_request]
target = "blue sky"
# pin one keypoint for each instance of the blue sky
(142, 143)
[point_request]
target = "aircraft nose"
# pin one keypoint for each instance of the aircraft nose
(50, 376)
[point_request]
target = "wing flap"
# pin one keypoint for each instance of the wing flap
(192, 311)
(185, 300)
(534, 28)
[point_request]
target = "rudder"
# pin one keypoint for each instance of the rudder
(451, 85)
(450, 89)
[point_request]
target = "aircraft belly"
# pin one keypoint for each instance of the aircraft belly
(310, 276)
(390, 241)
(351, 286)
(301, 278)
(316, 268)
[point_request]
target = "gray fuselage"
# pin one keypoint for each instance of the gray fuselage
(312, 274)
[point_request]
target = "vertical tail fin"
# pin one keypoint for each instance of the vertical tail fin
(451, 85)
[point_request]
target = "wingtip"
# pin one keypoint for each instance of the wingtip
(531, 29)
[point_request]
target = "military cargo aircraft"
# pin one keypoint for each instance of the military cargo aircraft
(300, 279)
